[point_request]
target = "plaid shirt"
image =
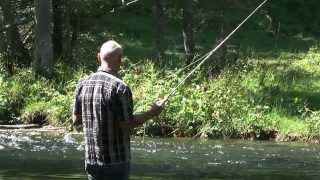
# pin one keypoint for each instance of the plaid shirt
(103, 101)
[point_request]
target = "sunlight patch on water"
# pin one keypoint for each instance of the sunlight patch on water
(236, 162)
(184, 158)
(221, 152)
(248, 148)
(218, 146)
(38, 148)
(214, 163)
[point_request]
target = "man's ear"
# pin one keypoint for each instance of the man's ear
(98, 58)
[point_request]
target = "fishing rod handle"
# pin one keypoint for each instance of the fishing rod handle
(162, 101)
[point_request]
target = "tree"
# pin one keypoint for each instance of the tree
(2, 37)
(5, 64)
(43, 47)
(72, 26)
(159, 14)
(66, 26)
(15, 48)
(57, 36)
(187, 32)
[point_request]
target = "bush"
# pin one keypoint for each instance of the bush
(32, 99)
(60, 110)
(35, 112)
(12, 98)
(201, 107)
(56, 111)
(314, 124)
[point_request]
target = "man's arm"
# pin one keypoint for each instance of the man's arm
(130, 120)
(76, 109)
(142, 117)
(76, 120)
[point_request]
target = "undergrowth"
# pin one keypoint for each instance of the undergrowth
(257, 98)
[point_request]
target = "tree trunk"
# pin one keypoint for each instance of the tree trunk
(72, 29)
(16, 49)
(75, 29)
(2, 37)
(43, 49)
(57, 36)
(188, 29)
(159, 13)
(4, 60)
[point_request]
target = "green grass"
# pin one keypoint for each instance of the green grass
(289, 86)
(292, 125)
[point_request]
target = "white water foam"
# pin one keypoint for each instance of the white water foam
(81, 146)
(69, 139)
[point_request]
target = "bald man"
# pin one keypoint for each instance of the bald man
(103, 106)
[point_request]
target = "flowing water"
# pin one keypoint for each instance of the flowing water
(26, 155)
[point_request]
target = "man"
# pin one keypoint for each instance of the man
(103, 105)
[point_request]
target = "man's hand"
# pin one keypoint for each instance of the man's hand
(157, 107)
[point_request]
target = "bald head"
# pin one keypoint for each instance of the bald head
(110, 55)
(110, 50)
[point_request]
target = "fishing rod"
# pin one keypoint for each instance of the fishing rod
(124, 5)
(209, 54)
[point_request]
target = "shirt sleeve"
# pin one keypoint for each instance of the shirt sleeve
(76, 108)
(125, 105)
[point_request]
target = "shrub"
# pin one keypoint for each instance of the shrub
(314, 123)
(36, 99)
(60, 110)
(35, 112)
(203, 107)
(12, 98)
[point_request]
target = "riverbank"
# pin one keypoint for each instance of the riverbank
(20, 126)
(33, 128)
(268, 136)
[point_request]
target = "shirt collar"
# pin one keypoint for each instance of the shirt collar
(107, 70)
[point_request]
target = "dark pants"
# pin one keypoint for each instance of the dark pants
(110, 172)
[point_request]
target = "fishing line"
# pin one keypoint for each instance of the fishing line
(209, 54)
(194, 62)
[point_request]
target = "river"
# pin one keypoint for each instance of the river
(32, 155)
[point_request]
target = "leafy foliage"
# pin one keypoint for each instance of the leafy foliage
(30, 99)
(314, 123)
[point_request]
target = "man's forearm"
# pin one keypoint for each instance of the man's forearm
(138, 119)
(143, 117)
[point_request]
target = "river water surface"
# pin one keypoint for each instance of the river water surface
(27, 155)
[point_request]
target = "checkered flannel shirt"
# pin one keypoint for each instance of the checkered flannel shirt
(103, 101)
